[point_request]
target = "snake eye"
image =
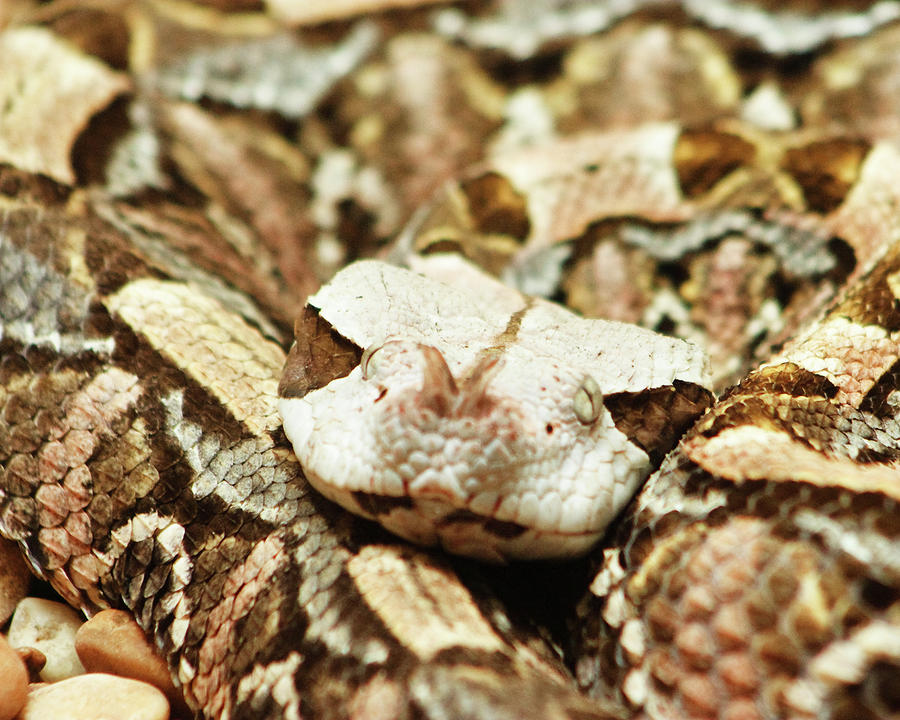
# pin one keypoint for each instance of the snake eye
(587, 401)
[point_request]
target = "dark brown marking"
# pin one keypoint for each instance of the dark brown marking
(875, 400)
(814, 421)
(515, 322)
(318, 356)
(466, 656)
(444, 245)
(504, 528)
(376, 505)
(655, 419)
(22, 185)
(873, 301)
(826, 170)
(496, 206)
(501, 528)
(508, 335)
(784, 379)
(703, 157)
(112, 262)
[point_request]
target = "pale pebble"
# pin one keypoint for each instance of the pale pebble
(49, 627)
(14, 578)
(96, 696)
(14, 683)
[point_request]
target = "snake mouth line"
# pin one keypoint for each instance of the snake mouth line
(380, 505)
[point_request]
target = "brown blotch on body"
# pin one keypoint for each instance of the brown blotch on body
(785, 379)
(704, 157)
(826, 170)
(25, 186)
(874, 300)
(318, 356)
(784, 398)
(496, 206)
(112, 262)
(779, 412)
(482, 217)
(875, 400)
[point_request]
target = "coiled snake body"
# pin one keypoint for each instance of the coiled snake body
(648, 172)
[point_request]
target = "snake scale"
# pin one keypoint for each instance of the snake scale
(723, 172)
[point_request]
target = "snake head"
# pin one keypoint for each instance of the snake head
(475, 418)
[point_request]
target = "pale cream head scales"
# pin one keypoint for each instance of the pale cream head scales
(491, 423)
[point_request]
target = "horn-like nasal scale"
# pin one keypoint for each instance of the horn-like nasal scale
(493, 424)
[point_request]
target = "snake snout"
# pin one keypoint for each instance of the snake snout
(437, 389)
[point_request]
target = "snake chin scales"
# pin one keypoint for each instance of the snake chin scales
(477, 418)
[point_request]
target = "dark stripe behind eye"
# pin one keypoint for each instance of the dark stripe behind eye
(655, 419)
